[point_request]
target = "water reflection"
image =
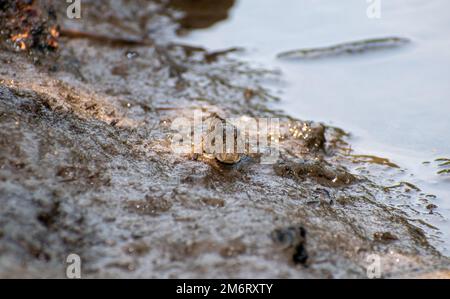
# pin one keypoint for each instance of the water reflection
(200, 14)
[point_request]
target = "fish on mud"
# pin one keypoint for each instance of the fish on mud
(355, 47)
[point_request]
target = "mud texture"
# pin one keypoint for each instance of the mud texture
(86, 165)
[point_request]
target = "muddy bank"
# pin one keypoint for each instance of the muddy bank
(86, 165)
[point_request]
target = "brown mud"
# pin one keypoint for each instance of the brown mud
(86, 165)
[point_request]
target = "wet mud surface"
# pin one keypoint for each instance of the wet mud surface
(86, 165)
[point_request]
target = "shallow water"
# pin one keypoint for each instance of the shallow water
(395, 103)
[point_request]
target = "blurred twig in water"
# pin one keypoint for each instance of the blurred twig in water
(346, 48)
(445, 163)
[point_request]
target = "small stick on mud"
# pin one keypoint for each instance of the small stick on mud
(125, 41)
